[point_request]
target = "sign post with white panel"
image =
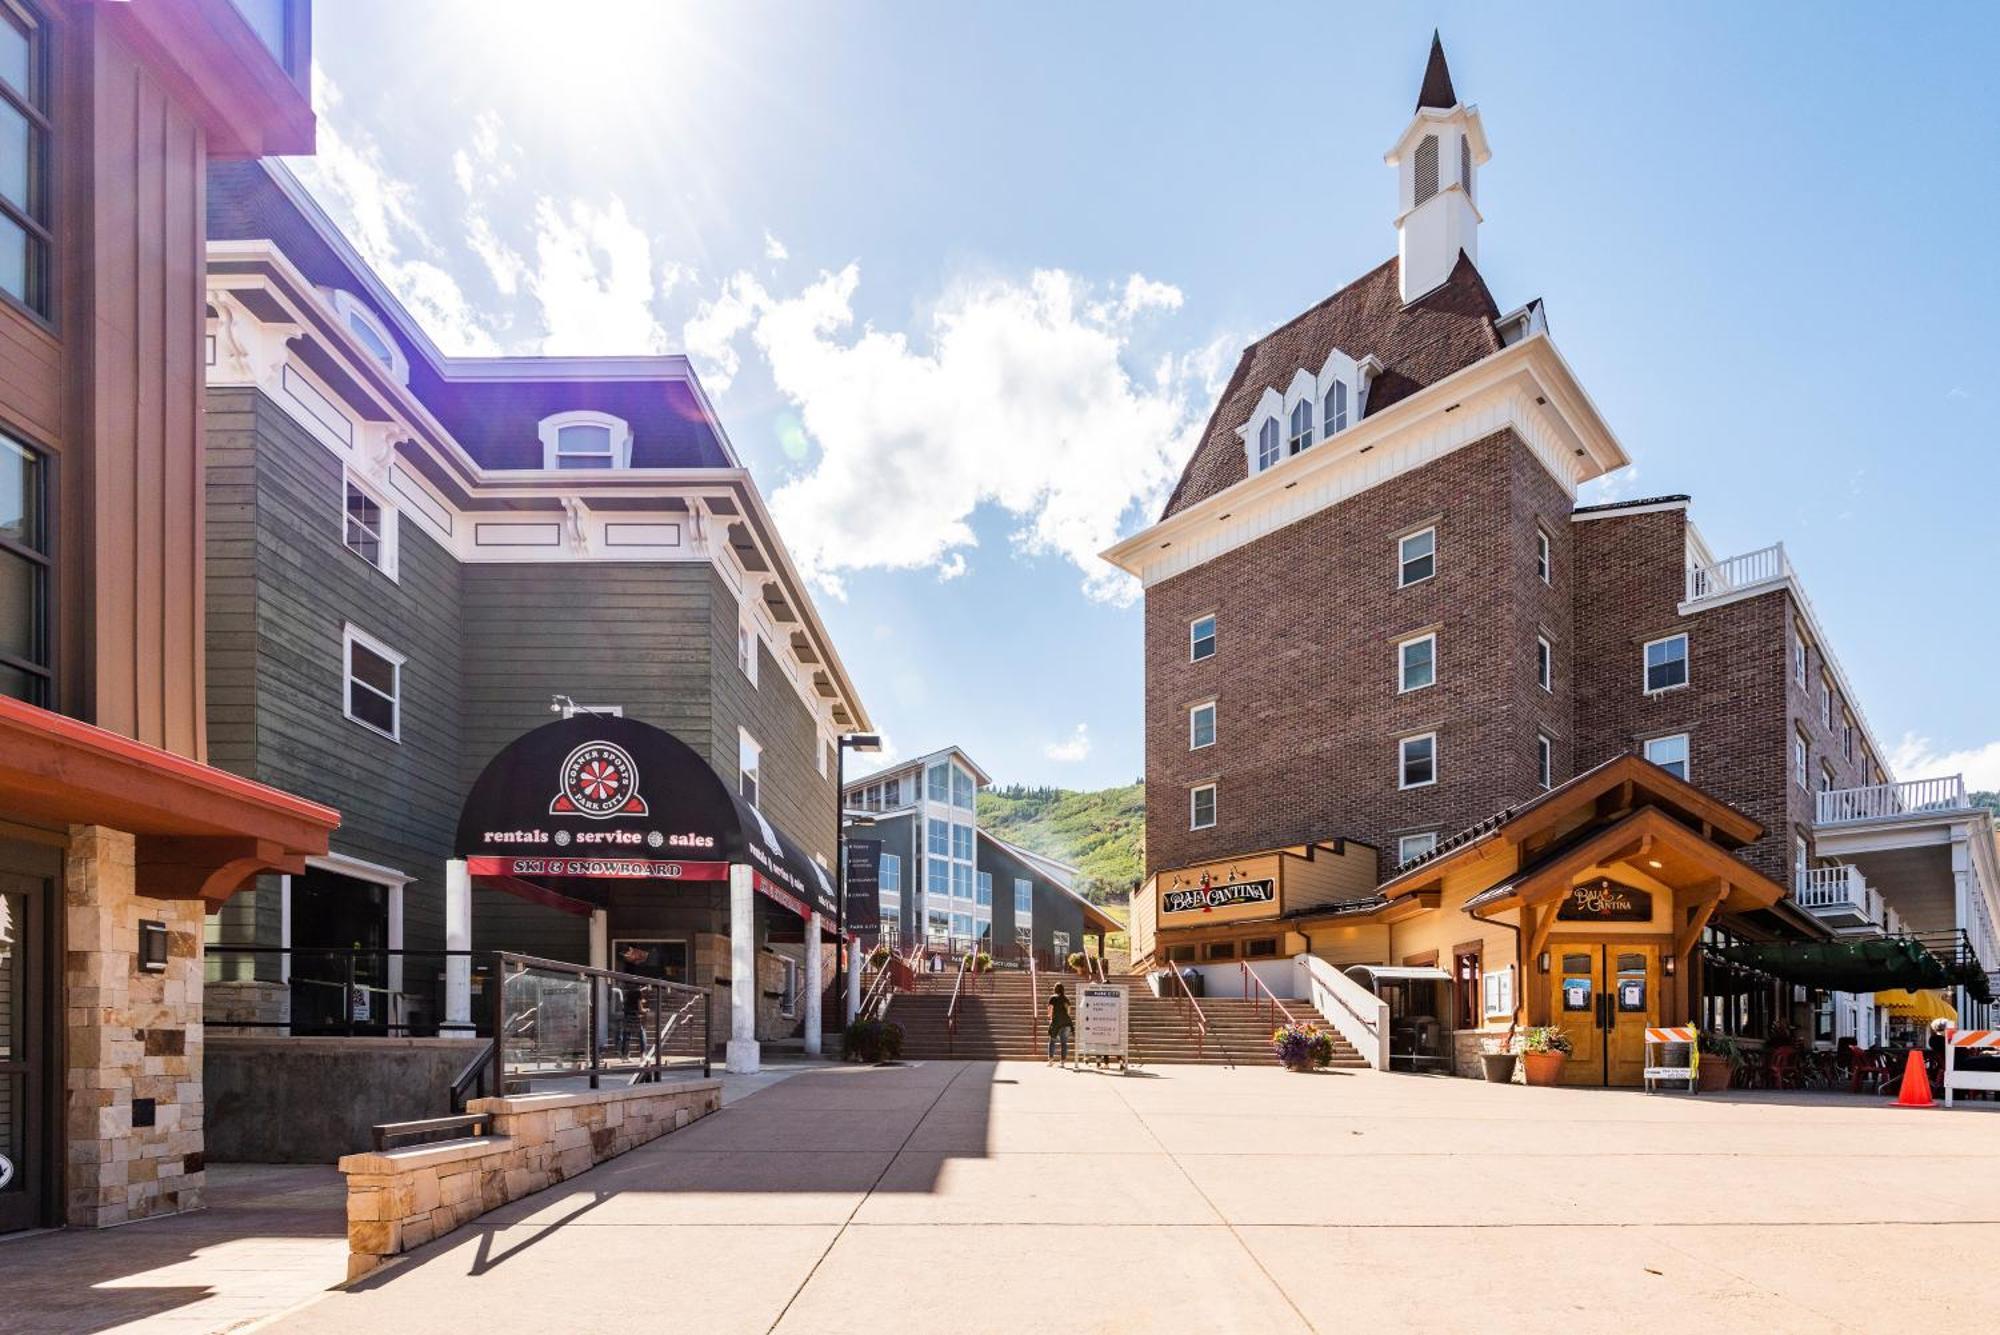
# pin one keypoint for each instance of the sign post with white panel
(1103, 1029)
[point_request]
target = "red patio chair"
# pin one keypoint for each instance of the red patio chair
(1784, 1071)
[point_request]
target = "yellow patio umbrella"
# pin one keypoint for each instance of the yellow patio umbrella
(1927, 1004)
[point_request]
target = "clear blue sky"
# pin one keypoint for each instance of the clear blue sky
(900, 243)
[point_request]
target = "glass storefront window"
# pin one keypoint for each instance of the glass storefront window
(24, 574)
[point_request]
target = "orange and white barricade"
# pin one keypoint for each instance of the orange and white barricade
(1659, 1039)
(1961, 1041)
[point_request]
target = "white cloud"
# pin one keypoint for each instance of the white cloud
(1071, 750)
(594, 280)
(774, 249)
(1918, 758)
(1013, 394)
(952, 567)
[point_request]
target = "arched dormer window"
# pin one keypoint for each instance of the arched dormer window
(1426, 180)
(585, 439)
(1267, 444)
(371, 334)
(1302, 425)
(1336, 407)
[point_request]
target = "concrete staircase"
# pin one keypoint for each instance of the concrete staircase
(997, 1020)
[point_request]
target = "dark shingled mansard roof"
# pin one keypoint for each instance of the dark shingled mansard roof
(1441, 332)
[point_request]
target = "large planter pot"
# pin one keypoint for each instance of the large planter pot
(1714, 1074)
(1499, 1067)
(1543, 1068)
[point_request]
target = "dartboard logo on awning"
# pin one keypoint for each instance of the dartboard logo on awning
(599, 781)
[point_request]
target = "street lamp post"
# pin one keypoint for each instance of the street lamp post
(847, 741)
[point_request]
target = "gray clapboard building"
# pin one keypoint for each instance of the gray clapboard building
(414, 559)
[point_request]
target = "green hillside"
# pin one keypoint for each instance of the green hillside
(1102, 833)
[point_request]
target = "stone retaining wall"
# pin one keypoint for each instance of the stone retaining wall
(401, 1199)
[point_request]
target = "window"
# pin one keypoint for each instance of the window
(1220, 950)
(1799, 656)
(1542, 556)
(1302, 426)
(1426, 182)
(1825, 777)
(585, 440)
(1413, 846)
(1336, 407)
(1201, 639)
(961, 842)
(937, 877)
(1670, 753)
(1417, 761)
(369, 531)
(24, 160)
(371, 334)
(1024, 897)
(1799, 859)
(1201, 726)
(1826, 702)
(961, 790)
(1416, 555)
(1467, 992)
(374, 683)
(749, 766)
(961, 926)
(961, 881)
(937, 783)
(1544, 761)
(1801, 759)
(1416, 663)
(1666, 663)
(747, 657)
(24, 574)
(788, 988)
(1545, 671)
(1263, 948)
(1201, 807)
(1847, 736)
(1267, 444)
(889, 875)
(984, 895)
(939, 841)
(1180, 954)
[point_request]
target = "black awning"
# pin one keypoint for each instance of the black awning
(596, 798)
(1852, 966)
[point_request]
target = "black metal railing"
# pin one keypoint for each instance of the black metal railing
(559, 1021)
(353, 991)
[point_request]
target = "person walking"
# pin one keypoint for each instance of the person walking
(1061, 1022)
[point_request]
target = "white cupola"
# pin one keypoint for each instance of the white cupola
(1436, 161)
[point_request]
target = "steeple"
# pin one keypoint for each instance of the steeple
(1435, 160)
(1437, 91)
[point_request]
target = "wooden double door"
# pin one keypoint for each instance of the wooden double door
(1606, 994)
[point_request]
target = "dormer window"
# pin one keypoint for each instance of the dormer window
(1302, 426)
(585, 440)
(1336, 408)
(1267, 444)
(371, 334)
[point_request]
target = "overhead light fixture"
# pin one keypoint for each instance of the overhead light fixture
(861, 741)
(1652, 862)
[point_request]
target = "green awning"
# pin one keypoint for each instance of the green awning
(1847, 966)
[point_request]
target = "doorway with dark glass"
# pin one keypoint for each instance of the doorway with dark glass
(340, 967)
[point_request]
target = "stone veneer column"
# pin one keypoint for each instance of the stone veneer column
(133, 1038)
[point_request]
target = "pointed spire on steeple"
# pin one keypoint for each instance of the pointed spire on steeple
(1437, 91)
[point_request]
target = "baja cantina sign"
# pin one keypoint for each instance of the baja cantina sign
(1208, 898)
(1605, 900)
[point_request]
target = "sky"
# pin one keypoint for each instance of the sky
(964, 282)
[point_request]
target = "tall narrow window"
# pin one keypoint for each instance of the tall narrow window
(1302, 425)
(937, 783)
(1542, 556)
(938, 837)
(1336, 407)
(1545, 766)
(1426, 169)
(1416, 556)
(1545, 664)
(1666, 663)
(374, 683)
(24, 575)
(1024, 897)
(1416, 663)
(1799, 656)
(1201, 807)
(1201, 638)
(369, 529)
(1201, 726)
(1801, 760)
(24, 159)
(1417, 761)
(1267, 444)
(749, 766)
(1826, 702)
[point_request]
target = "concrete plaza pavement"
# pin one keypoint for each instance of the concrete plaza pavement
(1011, 1197)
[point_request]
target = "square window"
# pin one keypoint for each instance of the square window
(1417, 761)
(1413, 846)
(1542, 556)
(1201, 726)
(1201, 639)
(1544, 761)
(1670, 753)
(1201, 808)
(1666, 663)
(1545, 664)
(1416, 557)
(374, 684)
(1416, 663)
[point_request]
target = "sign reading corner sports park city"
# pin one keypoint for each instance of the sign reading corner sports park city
(598, 798)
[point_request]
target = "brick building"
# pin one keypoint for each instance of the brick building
(1376, 613)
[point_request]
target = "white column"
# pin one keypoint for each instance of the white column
(398, 1005)
(741, 1056)
(814, 982)
(853, 948)
(600, 958)
(458, 936)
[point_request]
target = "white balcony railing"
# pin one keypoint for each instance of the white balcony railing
(1883, 800)
(1838, 892)
(1738, 572)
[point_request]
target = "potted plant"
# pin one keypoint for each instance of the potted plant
(1302, 1047)
(872, 1041)
(1720, 1056)
(1497, 1059)
(982, 962)
(1543, 1047)
(1077, 963)
(878, 957)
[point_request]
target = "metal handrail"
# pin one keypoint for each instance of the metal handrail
(1277, 1007)
(1191, 1011)
(510, 967)
(1034, 992)
(951, 1011)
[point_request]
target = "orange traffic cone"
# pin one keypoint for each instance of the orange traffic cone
(1916, 1090)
